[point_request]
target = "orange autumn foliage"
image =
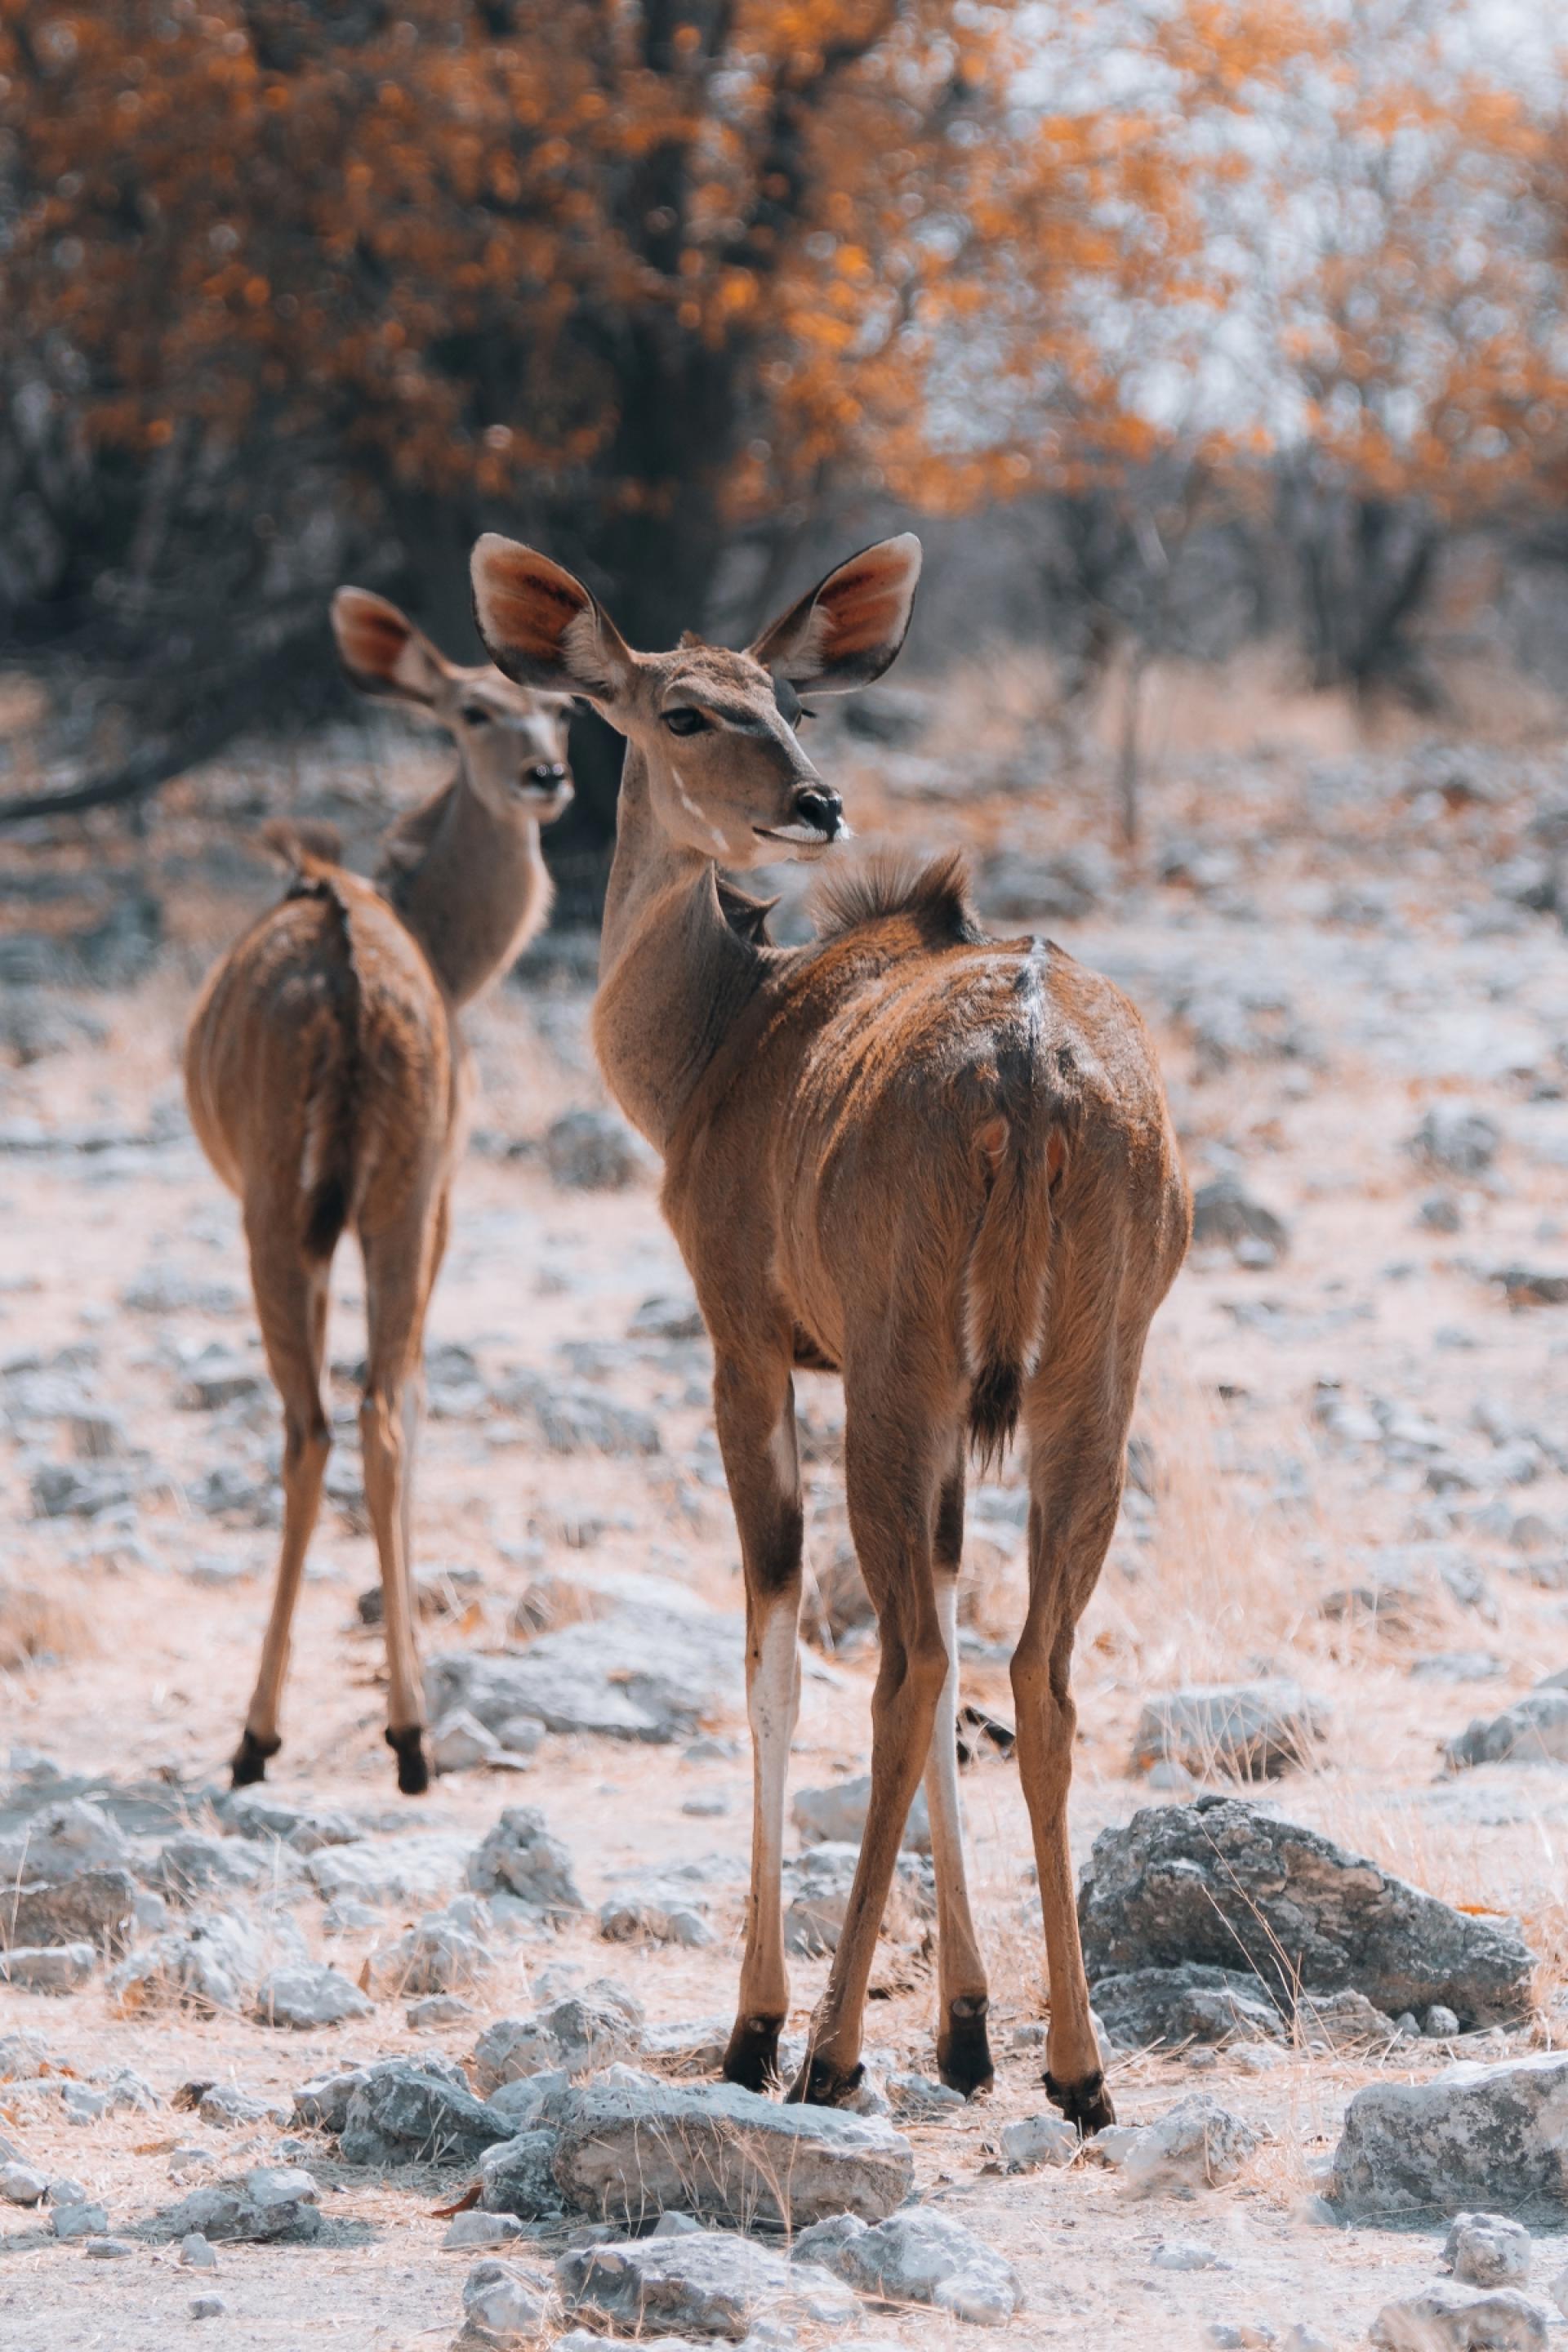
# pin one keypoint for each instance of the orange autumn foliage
(476, 246)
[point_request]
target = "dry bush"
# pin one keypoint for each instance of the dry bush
(36, 1625)
(1507, 1868)
(552, 1600)
(995, 702)
(835, 1602)
(1214, 1594)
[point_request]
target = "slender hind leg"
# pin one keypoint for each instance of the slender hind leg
(1079, 1438)
(892, 1474)
(291, 1294)
(399, 1269)
(963, 2048)
(754, 1406)
(413, 1387)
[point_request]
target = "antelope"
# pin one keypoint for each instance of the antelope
(938, 1163)
(328, 1082)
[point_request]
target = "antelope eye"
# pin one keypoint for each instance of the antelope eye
(475, 715)
(684, 720)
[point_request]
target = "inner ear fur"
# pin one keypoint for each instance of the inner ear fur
(381, 649)
(542, 626)
(850, 628)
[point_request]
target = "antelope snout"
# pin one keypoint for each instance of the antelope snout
(814, 805)
(548, 782)
(815, 818)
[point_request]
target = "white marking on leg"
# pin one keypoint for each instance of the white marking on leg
(782, 1453)
(771, 1708)
(942, 1771)
(413, 1407)
(961, 1969)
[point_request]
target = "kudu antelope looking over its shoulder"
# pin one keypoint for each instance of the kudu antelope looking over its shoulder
(938, 1162)
(328, 1080)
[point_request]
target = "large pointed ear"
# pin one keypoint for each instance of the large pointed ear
(849, 630)
(542, 626)
(382, 650)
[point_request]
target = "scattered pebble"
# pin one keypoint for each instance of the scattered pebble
(1186, 2254)
(1472, 2136)
(306, 1995)
(79, 2220)
(1449, 2318)
(1251, 1731)
(1197, 2144)
(477, 2229)
(704, 2283)
(508, 2300)
(916, 2099)
(1488, 2250)
(437, 2008)
(595, 1151)
(1038, 2140)
(55, 1968)
(919, 2255)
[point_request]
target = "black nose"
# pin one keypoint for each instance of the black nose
(814, 805)
(549, 773)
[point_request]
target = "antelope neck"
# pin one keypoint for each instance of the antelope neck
(472, 890)
(674, 977)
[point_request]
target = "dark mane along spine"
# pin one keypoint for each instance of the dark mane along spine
(332, 1099)
(932, 894)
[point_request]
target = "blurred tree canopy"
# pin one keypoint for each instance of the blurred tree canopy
(296, 286)
(293, 291)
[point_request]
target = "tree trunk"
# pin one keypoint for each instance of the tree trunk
(652, 551)
(1128, 775)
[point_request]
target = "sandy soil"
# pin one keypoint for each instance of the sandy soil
(1336, 923)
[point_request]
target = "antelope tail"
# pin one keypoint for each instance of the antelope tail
(311, 852)
(1004, 1280)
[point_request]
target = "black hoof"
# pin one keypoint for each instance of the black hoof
(820, 2084)
(248, 1763)
(413, 1771)
(1086, 2104)
(963, 2050)
(753, 2056)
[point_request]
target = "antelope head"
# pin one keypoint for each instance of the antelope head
(511, 740)
(727, 777)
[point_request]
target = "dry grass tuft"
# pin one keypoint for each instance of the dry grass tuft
(39, 1627)
(1214, 1594)
(553, 1600)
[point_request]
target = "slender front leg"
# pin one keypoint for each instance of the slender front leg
(963, 2048)
(754, 1406)
(891, 1481)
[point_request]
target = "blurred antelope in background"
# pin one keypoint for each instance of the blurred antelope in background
(328, 1081)
(940, 1163)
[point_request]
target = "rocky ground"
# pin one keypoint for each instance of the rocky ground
(249, 2049)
